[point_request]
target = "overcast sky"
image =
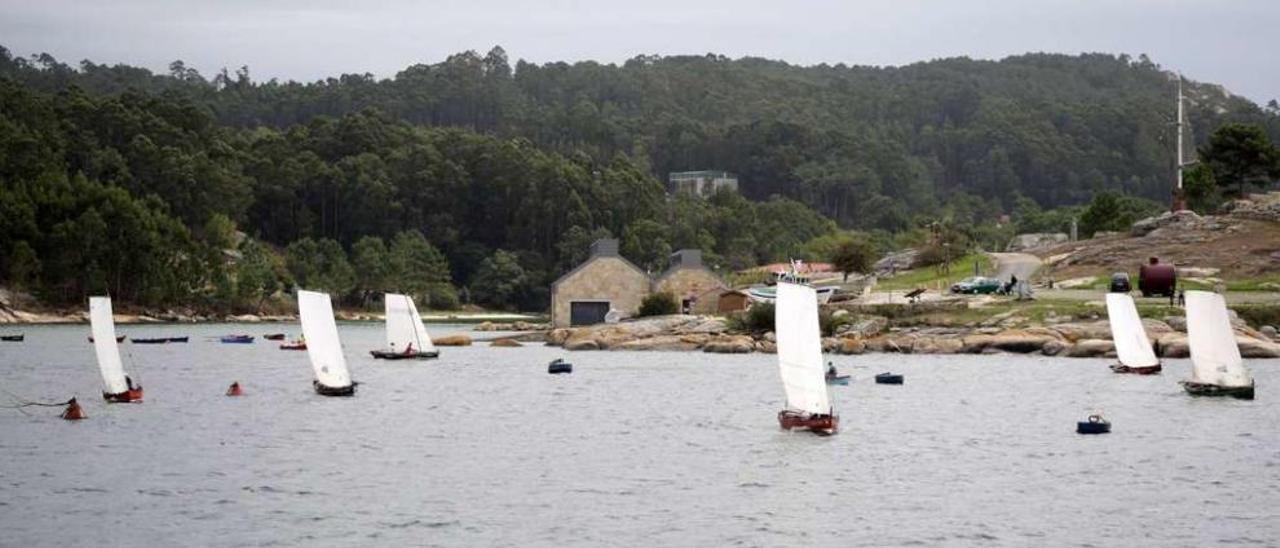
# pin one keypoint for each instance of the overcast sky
(1230, 42)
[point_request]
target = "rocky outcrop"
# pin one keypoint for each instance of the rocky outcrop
(511, 326)
(453, 340)
(506, 343)
(1090, 348)
(730, 344)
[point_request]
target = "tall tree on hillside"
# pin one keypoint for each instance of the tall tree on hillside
(1241, 156)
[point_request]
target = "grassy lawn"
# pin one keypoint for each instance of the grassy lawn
(932, 276)
(1255, 284)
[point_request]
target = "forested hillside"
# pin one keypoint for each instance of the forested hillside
(494, 178)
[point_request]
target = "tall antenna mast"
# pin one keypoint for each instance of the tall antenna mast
(1179, 126)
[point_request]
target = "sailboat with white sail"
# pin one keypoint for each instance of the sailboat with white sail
(323, 347)
(1133, 348)
(407, 338)
(118, 387)
(1216, 366)
(800, 362)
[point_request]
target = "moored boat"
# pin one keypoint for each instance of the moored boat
(118, 387)
(160, 340)
(179, 339)
(889, 378)
(236, 339)
(323, 346)
(407, 337)
(1133, 348)
(808, 401)
(294, 345)
(13, 338)
(119, 338)
(559, 366)
(274, 336)
(1217, 368)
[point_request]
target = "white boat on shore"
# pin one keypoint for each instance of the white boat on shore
(770, 294)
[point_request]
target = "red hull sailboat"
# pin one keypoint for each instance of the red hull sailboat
(809, 404)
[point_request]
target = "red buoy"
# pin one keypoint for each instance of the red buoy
(73, 412)
(234, 389)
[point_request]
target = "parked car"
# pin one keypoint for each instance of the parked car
(976, 285)
(1120, 283)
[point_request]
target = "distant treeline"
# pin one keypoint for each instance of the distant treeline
(497, 178)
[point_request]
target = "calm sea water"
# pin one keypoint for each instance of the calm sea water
(482, 447)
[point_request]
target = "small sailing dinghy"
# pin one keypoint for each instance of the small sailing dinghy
(119, 388)
(407, 338)
(1216, 366)
(800, 362)
(323, 346)
(1133, 348)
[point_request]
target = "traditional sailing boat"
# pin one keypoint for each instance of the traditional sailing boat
(1133, 349)
(119, 388)
(323, 346)
(406, 336)
(1216, 366)
(800, 362)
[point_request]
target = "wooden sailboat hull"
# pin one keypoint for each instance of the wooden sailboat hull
(1148, 370)
(391, 355)
(824, 425)
(1202, 389)
(128, 396)
(339, 391)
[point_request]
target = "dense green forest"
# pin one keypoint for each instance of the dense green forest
(473, 181)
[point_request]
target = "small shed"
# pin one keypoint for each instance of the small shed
(732, 301)
(605, 281)
(695, 286)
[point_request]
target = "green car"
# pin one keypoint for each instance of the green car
(976, 285)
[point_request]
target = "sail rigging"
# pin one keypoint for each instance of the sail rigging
(1215, 356)
(103, 327)
(800, 349)
(323, 346)
(1133, 348)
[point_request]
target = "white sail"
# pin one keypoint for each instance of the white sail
(800, 349)
(400, 332)
(424, 343)
(323, 346)
(103, 327)
(1215, 358)
(1133, 348)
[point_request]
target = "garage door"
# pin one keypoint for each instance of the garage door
(587, 312)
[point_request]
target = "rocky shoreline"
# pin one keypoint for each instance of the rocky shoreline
(1086, 339)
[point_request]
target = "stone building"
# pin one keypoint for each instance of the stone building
(604, 282)
(695, 286)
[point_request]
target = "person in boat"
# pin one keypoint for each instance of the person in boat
(128, 381)
(408, 350)
(831, 370)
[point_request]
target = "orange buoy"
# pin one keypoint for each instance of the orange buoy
(73, 412)
(234, 389)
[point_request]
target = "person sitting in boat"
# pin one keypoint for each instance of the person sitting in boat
(831, 370)
(408, 350)
(128, 381)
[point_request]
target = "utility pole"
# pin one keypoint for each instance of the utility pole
(1179, 198)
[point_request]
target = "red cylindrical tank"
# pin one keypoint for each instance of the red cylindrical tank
(1155, 278)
